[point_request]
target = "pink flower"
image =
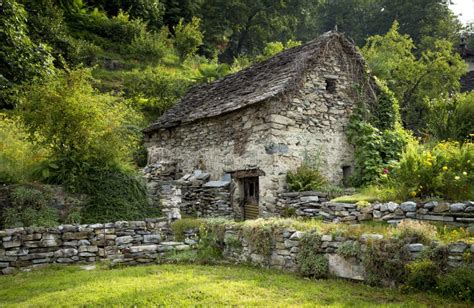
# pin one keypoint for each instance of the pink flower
(385, 171)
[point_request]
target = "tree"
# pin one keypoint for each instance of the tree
(20, 58)
(187, 38)
(413, 78)
(425, 21)
(237, 27)
(83, 129)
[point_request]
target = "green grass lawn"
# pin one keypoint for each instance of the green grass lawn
(184, 285)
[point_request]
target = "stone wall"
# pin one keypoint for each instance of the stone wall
(203, 201)
(285, 246)
(315, 205)
(133, 242)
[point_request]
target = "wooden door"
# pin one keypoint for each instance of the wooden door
(251, 193)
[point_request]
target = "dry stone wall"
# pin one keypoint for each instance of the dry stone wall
(134, 242)
(286, 244)
(315, 205)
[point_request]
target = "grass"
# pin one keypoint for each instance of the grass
(186, 285)
(369, 194)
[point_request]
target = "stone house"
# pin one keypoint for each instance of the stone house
(267, 119)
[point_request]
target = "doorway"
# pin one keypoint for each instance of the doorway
(250, 201)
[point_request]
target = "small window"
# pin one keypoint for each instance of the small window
(346, 175)
(331, 85)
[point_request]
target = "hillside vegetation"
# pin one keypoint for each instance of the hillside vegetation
(80, 79)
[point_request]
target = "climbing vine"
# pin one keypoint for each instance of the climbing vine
(377, 135)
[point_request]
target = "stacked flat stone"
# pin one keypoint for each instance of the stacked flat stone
(315, 205)
(130, 242)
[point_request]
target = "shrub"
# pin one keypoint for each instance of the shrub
(258, 233)
(30, 207)
(311, 263)
(210, 246)
(187, 38)
(416, 231)
(154, 90)
(349, 249)
(19, 156)
(151, 45)
(305, 178)
(445, 170)
(114, 195)
(422, 275)
(458, 284)
(84, 129)
(180, 226)
(452, 118)
(384, 261)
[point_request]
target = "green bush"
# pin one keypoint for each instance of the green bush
(187, 38)
(311, 263)
(150, 45)
(349, 249)
(180, 226)
(154, 90)
(458, 284)
(114, 195)
(259, 236)
(19, 156)
(422, 275)
(452, 118)
(305, 178)
(445, 170)
(30, 207)
(384, 261)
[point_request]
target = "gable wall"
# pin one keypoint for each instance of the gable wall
(313, 121)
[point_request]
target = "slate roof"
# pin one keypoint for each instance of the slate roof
(252, 85)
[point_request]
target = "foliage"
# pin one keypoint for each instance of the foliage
(413, 78)
(20, 58)
(259, 236)
(210, 245)
(414, 231)
(384, 261)
(180, 226)
(273, 48)
(114, 195)
(452, 118)
(154, 90)
(422, 275)
(187, 38)
(311, 263)
(256, 24)
(349, 249)
(307, 176)
(151, 45)
(30, 207)
(18, 155)
(458, 284)
(378, 137)
(82, 128)
(445, 170)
